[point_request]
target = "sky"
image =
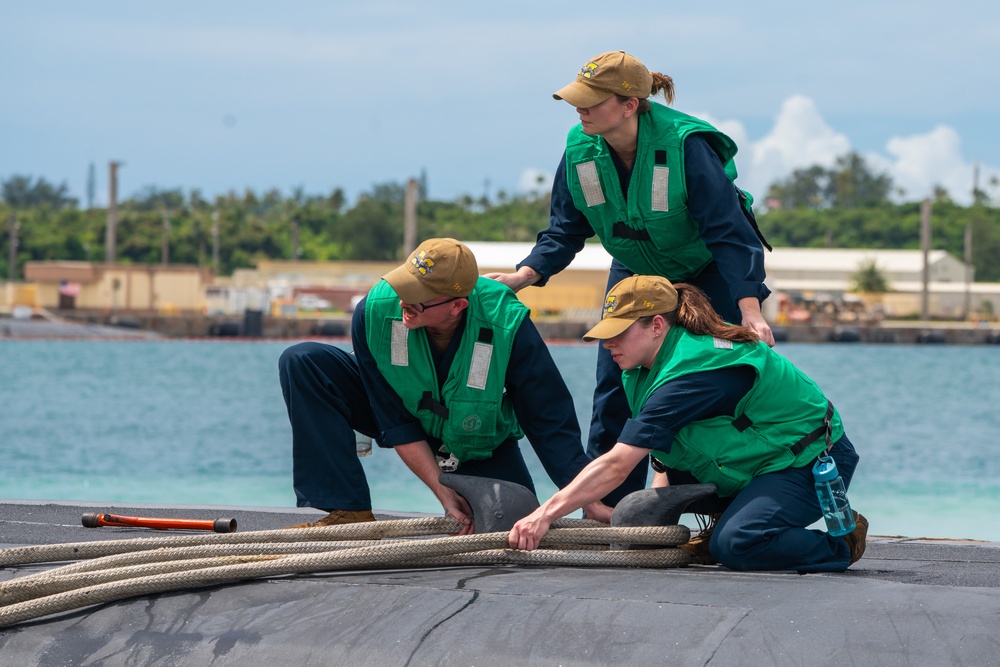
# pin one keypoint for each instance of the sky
(227, 96)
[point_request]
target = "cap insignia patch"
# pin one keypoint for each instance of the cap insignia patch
(422, 262)
(610, 303)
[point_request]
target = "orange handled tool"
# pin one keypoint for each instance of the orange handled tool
(96, 519)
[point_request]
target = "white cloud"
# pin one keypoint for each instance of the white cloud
(923, 161)
(801, 138)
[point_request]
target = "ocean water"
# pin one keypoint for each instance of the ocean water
(203, 422)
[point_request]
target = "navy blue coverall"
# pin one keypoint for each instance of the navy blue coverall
(763, 527)
(736, 272)
(330, 393)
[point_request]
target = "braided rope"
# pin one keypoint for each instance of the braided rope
(50, 553)
(29, 588)
(669, 557)
(129, 575)
(199, 551)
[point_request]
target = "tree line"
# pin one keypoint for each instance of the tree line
(844, 206)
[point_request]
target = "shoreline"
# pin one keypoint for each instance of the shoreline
(78, 325)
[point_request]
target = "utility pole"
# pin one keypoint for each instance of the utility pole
(91, 186)
(110, 251)
(165, 242)
(925, 246)
(295, 238)
(410, 217)
(975, 183)
(215, 241)
(12, 248)
(969, 270)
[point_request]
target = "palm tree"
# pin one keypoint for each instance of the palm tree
(869, 278)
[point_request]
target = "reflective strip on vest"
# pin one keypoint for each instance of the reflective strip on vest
(590, 183)
(400, 349)
(479, 368)
(661, 189)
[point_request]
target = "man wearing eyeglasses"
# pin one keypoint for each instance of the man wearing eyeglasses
(449, 371)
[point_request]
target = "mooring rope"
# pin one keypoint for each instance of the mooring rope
(51, 553)
(200, 551)
(145, 566)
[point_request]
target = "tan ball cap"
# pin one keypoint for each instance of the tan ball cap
(438, 267)
(631, 299)
(611, 73)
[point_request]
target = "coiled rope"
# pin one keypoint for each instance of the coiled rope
(120, 569)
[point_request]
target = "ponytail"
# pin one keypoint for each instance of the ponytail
(661, 83)
(695, 313)
(664, 83)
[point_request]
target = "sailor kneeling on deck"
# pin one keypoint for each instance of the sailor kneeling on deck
(713, 404)
(448, 370)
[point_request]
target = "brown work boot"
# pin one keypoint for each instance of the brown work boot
(337, 517)
(856, 538)
(697, 546)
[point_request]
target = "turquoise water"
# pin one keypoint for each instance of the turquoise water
(192, 422)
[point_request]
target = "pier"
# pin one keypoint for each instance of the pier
(254, 324)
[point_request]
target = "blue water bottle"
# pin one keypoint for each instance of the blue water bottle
(832, 497)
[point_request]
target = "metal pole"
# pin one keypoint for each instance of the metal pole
(91, 186)
(410, 217)
(110, 249)
(215, 241)
(12, 249)
(975, 184)
(165, 243)
(968, 270)
(925, 246)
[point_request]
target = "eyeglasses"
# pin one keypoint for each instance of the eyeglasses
(419, 307)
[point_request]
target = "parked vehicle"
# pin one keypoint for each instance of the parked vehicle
(312, 302)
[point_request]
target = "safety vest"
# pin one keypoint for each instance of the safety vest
(781, 422)
(652, 232)
(470, 413)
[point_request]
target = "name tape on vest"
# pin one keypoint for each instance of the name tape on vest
(399, 348)
(661, 181)
(479, 369)
(591, 184)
